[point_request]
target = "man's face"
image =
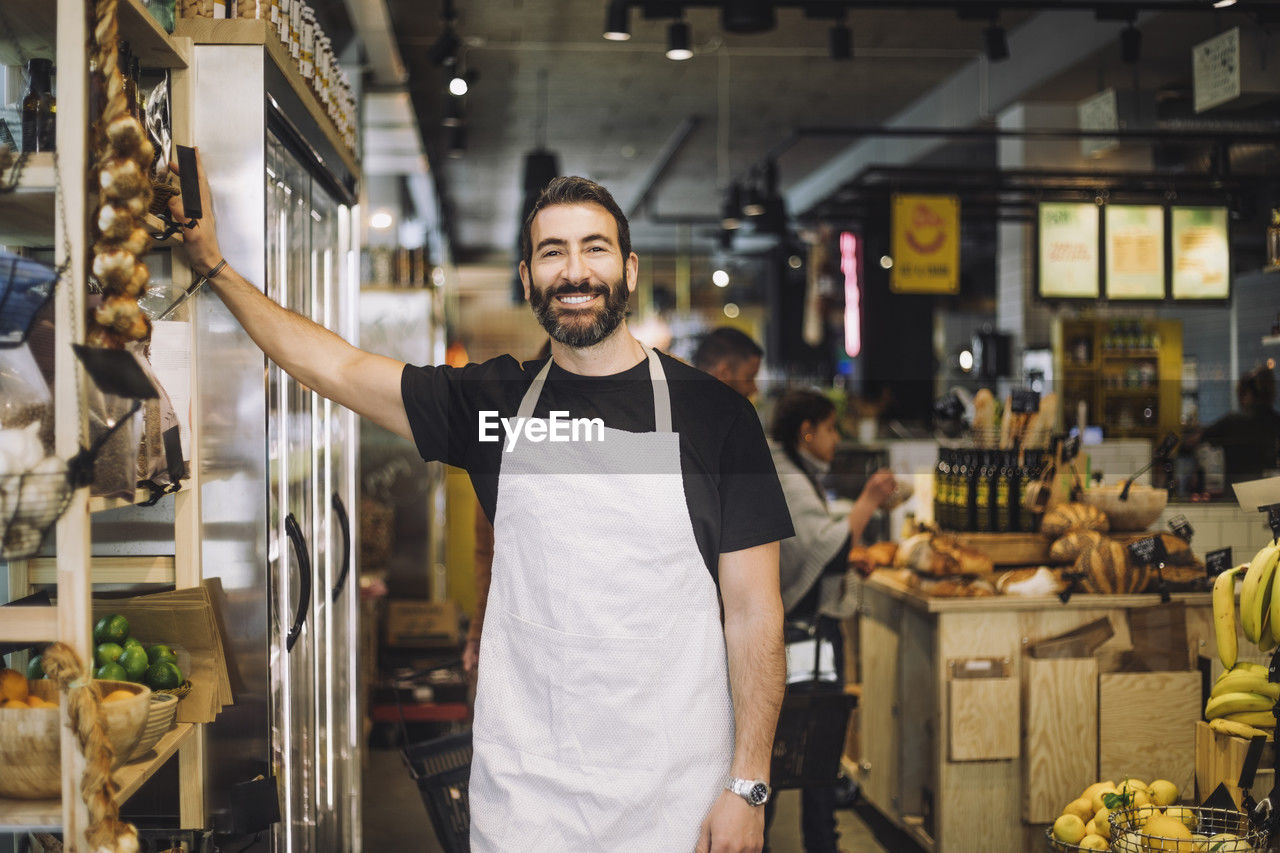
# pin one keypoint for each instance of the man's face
(577, 281)
(740, 375)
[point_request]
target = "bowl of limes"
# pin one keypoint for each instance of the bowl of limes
(30, 746)
(122, 657)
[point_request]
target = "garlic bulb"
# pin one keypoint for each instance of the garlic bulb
(22, 447)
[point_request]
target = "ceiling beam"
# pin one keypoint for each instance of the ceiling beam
(658, 168)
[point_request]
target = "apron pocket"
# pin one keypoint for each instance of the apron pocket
(605, 695)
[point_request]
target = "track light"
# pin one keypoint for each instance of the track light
(457, 141)
(841, 41)
(452, 113)
(458, 86)
(748, 16)
(753, 200)
(444, 50)
(1223, 4)
(1131, 44)
(678, 41)
(616, 27)
(731, 213)
(997, 43)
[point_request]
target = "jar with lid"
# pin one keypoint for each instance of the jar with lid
(307, 45)
(256, 9)
(295, 29)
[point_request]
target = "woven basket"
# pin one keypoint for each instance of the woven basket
(180, 691)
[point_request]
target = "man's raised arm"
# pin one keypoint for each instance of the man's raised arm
(367, 384)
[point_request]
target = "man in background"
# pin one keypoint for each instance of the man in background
(730, 356)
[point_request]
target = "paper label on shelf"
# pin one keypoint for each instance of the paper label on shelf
(171, 363)
(1217, 562)
(219, 9)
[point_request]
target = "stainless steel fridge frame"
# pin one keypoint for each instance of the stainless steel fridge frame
(272, 450)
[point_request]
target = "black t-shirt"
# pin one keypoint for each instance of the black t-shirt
(730, 485)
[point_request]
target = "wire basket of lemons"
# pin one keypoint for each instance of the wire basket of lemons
(1185, 829)
(1088, 821)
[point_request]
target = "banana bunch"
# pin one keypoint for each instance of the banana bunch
(1242, 700)
(1259, 605)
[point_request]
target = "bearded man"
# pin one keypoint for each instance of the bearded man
(631, 668)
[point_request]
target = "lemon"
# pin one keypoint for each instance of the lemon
(1080, 808)
(1096, 799)
(1095, 788)
(1164, 834)
(1093, 842)
(1069, 829)
(1163, 792)
(1184, 814)
(1102, 823)
(1090, 828)
(1228, 843)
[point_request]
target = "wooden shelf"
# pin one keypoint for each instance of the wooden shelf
(28, 624)
(258, 32)
(104, 504)
(21, 815)
(27, 214)
(34, 26)
(109, 570)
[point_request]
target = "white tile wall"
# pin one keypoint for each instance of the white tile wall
(1220, 525)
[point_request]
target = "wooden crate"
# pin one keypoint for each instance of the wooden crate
(1009, 549)
(1219, 759)
(1060, 711)
(1147, 725)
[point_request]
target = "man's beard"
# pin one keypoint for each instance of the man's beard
(580, 328)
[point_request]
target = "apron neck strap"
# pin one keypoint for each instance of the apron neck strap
(661, 394)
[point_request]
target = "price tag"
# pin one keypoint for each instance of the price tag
(1167, 445)
(1070, 449)
(1217, 562)
(1149, 551)
(1025, 402)
(1161, 586)
(1181, 527)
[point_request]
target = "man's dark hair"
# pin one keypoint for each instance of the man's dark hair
(725, 344)
(574, 190)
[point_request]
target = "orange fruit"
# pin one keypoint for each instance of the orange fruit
(118, 695)
(13, 685)
(13, 703)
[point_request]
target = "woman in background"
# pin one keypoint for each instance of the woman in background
(813, 563)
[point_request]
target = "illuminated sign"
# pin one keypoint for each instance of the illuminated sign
(1068, 251)
(1135, 251)
(851, 266)
(1201, 253)
(926, 244)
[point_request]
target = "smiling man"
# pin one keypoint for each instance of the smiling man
(616, 709)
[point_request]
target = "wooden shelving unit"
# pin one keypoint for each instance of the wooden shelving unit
(29, 217)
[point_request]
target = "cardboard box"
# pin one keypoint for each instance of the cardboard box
(420, 624)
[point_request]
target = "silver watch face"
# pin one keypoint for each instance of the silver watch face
(758, 794)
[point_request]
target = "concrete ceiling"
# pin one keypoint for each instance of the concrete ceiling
(611, 107)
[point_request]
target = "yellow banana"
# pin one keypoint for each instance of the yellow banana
(1231, 727)
(1257, 719)
(1246, 682)
(1274, 606)
(1234, 703)
(1248, 666)
(1256, 592)
(1224, 615)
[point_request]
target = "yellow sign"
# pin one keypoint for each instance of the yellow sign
(926, 244)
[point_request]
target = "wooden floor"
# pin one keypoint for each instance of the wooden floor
(394, 818)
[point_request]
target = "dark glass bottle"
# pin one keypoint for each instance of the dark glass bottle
(985, 492)
(1000, 494)
(135, 89)
(940, 473)
(972, 470)
(124, 62)
(1014, 479)
(39, 110)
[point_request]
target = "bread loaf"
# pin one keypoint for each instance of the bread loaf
(1067, 548)
(1062, 519)
(1107, 570)
(882, 553)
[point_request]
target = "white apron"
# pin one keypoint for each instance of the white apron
(603, 717)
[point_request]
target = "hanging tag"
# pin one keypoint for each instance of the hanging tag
(1273, 519)
(1025, 402)
(1217, 562)
(1149, 551)
(1181, 527)
(1070, 449)
(1166, 446)
(116, 371)
(1251, 760)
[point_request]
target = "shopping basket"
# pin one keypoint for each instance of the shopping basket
(812, 723)
(441, 767)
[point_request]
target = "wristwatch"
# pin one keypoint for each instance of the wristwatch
(755, 792)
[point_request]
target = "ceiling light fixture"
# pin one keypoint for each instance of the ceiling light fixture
(1223, 4)
(381, 220)
(731, 213)
(997, 42)
(1131, 44)
(720, 278)
(841, 41)
(678, 41)
(752, 199)
(444, 50)
(458, 86)
(616, 27)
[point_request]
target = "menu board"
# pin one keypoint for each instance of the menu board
(1068, 266)
(1135, 266)
(926, 244)
(1201, 254)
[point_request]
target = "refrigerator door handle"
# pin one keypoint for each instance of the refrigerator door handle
(345, 523)
(304, 575)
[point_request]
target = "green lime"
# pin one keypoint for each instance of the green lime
(164, 675)
(35, 669)
(131, 642)
(107, 653)
(159, 652)
(111, 629)
(111, 672)
(135, 663)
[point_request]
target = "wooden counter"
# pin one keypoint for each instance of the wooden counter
(957, 762)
